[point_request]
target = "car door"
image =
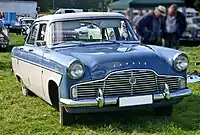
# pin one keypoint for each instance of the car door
(34, 55)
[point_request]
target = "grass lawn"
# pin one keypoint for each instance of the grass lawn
(31, 115)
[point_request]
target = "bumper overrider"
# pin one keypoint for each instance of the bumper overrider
(103, 102)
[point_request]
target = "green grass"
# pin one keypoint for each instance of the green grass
(31, 115)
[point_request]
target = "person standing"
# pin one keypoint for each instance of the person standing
(148, 27)
(137, 17)
(173, 25)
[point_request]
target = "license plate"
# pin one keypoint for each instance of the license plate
(136, 100)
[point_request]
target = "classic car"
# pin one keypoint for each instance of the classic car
(3, 42)
(21, 24)
(192, 32)
(67, 10)
(84, 75)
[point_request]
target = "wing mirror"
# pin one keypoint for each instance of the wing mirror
(25, 31)
(40, 43)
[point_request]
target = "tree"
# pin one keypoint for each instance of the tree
(44, 5)
(197, 4)
(103, 4)
(189, 3)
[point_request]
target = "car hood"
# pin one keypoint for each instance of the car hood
(102, 59)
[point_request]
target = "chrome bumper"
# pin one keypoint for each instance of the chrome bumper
(113, 101)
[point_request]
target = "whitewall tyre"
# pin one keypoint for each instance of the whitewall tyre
(25, 90)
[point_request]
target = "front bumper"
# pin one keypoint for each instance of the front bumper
(69, 103)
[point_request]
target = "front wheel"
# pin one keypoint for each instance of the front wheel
(66, 118)
(163, 111)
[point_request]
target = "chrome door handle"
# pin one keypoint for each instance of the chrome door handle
(30, 50)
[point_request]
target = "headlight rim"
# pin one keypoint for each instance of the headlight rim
(70, 66)
(175, 58)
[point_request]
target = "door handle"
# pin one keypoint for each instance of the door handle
(21, 48)
(48, 59)
(30, 50)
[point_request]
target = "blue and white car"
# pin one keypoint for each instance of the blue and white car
(110, 72)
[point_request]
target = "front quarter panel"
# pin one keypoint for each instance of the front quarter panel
(59, 63)
(168, 54)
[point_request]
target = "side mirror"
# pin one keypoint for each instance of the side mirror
(40, 43)
(25, 31)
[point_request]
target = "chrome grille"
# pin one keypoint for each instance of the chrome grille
(118, 84)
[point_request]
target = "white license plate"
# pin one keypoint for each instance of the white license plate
(136, 100)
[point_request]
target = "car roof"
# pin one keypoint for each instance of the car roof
(55, 17)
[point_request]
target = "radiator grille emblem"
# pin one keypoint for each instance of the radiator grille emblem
(132, 80)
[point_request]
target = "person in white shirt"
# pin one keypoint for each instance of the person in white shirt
(137, 17)
(173, 26)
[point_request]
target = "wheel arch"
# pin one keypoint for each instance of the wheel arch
(18, 77)
(53, 91)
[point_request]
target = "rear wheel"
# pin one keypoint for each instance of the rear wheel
(163, 111)
(25, 90)
(66, 118)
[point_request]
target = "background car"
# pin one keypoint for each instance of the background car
(66, 10)
(3, 42)
(192, 32)
(21, 23)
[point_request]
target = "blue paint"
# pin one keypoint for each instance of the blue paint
(99, 60)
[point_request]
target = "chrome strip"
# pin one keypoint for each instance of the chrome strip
(114, 101)
(39, 65)
(124, 71)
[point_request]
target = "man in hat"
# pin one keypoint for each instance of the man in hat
(148, 27)
(173, 26)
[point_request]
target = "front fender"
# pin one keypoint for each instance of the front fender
(167, 54)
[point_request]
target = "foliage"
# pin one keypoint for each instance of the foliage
(94, 5)
(197, 4)
(31, 115)
(44, 5)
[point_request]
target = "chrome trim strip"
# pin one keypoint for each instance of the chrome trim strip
(113, 101)
(39, 65)
(124, 71)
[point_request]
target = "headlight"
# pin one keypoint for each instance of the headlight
(181, 62)
(76, 70)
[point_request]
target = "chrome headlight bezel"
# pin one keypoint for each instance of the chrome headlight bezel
(180, 62)
(73, 67)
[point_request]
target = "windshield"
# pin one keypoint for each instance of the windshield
(91, 30)
(27, 22)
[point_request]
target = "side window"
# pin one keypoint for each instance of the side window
(41, 33)
(33, 35)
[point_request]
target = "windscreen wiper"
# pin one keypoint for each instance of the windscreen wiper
(114, 42)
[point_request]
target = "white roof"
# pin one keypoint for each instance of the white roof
(79, 15)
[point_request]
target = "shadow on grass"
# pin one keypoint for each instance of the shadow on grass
(189, 43)
(145, 120)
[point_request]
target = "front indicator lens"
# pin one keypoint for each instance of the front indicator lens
(74, 92)
(182, 83)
